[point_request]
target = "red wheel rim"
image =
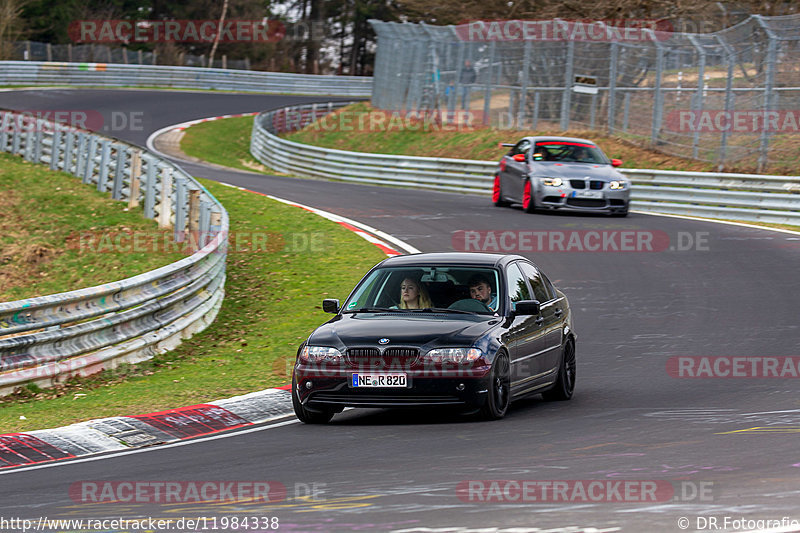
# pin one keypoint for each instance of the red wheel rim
(496, 189)
(526, 195)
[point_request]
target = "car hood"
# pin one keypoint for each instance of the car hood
(426, 331)
(548, 169)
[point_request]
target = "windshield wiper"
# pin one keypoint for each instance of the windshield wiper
(444, 310)
(369, 310)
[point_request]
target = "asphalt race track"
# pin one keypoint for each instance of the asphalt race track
(726, 445)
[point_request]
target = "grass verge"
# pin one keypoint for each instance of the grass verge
(276, 280)
(52, 227)
(224, 142)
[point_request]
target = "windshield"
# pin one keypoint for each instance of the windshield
(408, 289)
(569, 152)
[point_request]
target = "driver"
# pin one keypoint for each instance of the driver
(480, 289)
(582, 155)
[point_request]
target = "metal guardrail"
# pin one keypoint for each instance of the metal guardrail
(749, 197)
(120, 75)
(46, 339)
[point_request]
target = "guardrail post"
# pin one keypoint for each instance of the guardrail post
(205, 223)
(6, 125)
(38, 141)
(69, 141)
(119, 172)
(136, 171)
(88, 167)
(194, 218)
(165, 206)
(55, 148)
(16, 138)
(180, 205)
(30, 141)
(80, 155)
(105, 160)
(150, 189)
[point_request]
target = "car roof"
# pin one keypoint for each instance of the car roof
(452, 258)
(554, 138)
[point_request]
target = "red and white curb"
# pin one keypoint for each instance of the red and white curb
(126, 432)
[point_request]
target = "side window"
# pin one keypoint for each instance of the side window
(522, 147)
(551, 290)
(540, 291)
(517, 288)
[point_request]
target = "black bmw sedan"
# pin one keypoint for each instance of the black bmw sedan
(467, 330)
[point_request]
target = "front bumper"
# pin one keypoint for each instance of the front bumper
(332, 389)
(565, 197)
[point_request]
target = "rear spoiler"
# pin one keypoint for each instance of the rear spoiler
(508, 145)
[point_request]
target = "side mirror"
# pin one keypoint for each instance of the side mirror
(330, 305)
(527, 307)
(519, 157)
(616, 162)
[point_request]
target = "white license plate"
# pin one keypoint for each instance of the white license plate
(588, 194)
(379, 380)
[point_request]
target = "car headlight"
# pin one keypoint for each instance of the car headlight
(320, 354)
(552, 182)
(453, 355)
(617, 184)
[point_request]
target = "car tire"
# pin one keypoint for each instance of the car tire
(497, 194)
(308, 416)
(565, 384)
(499, 394)
(528, 201)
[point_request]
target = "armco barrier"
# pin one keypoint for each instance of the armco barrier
(46, 339)
(749, 197)
(117, 75)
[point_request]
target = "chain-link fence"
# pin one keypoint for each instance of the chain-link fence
(731, 97)
(98, 53)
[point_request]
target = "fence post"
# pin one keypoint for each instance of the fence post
(80, 155)
(566, 95)
(523, 91)
(769, 85)
(723, 143)
(612, 87)
(697, 100)
(487, 90)
(136, 171)
(658, 105)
